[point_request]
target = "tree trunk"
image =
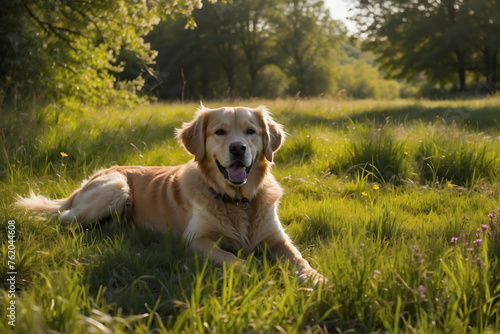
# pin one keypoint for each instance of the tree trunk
(461, 68)
(490, 69)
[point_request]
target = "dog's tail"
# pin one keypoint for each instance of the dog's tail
(41, 204)
(105, 195)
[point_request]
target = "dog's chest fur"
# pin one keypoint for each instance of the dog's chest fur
(237, 228)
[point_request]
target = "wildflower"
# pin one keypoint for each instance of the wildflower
(449, 185)
(441, 157)
(406, 153)
(484, 226)
(478, 241)
(364, 194)
(421, 293)
(454, 239)
(138, 255)
(376, 187)
(64, 155)
(490, 215)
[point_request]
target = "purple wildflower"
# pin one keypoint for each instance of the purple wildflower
(454, 239)
(484, 226)
(478, 241)
(138, 255)
(421, 293)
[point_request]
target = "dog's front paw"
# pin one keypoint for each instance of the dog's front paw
(312, 276)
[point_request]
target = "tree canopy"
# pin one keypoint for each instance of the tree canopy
(264, 48)
(444, 39)
(70, 49)
(104, 52)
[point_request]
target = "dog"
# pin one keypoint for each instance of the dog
(224, 200)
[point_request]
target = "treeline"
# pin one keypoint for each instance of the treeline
(260, 48)
(248, 48)
(121, 51)
(453, 43)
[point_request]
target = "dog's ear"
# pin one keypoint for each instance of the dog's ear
(273, 134)
(192, 134)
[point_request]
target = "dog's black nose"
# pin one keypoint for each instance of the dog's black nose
(237, 148)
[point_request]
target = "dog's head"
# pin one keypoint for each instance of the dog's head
(232, 140)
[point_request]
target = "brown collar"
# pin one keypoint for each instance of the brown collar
(229, 200)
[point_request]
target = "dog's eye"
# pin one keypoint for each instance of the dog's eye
(250, 131)
(220, 132)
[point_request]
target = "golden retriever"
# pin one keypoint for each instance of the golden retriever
(224, 200)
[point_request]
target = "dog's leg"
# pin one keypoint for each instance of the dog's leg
(284, 247)
(218, 255)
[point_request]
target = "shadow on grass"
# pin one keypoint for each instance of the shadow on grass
(138, 268)
(475, 118)
(482, 119)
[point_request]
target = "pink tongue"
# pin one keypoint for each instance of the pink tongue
(236, 174)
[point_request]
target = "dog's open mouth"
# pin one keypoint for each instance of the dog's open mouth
(237, 173)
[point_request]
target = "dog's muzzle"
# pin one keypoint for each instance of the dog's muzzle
(237, 172)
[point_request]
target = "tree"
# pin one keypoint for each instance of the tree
(209, 55)
(440, 38)
(217, 33)
(255, 27)
(239, 48)
(69, 49)
(484, 21)
(309, 39)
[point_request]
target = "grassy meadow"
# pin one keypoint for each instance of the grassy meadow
(394, 201)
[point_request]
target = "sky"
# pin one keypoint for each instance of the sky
(339, 11)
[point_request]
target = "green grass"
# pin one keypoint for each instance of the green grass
(374, 193)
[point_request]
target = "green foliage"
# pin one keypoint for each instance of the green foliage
(249, 48)
(444, 40)
(361, 81)
(385, 247)
(68, 50)
(360, 78)
(309, 42)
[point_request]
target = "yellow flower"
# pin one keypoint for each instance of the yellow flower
(64, 155)
(449, 185)
(406, 153)
(364, 194)
(376, 187)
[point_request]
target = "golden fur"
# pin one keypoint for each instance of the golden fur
(224, 200)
